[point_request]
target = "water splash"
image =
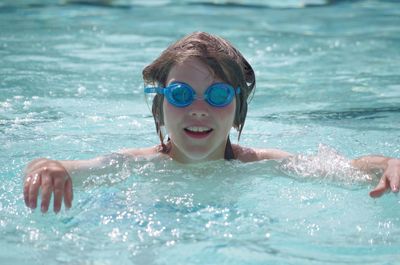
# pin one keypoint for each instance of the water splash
(327, 164)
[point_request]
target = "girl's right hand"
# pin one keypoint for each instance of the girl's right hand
(51, 177)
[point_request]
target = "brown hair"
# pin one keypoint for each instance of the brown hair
(224, 61)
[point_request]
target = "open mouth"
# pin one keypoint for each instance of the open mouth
(198, 132)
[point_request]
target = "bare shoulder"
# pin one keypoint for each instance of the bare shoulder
(247, 154)
(140, 152)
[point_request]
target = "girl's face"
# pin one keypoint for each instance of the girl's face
(199, 131)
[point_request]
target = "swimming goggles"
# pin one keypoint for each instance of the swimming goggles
(182, 95)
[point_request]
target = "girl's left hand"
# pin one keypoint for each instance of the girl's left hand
(389, 180)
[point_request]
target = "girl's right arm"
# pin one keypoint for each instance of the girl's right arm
(56, 177)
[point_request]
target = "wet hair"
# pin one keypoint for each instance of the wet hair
(223, 60)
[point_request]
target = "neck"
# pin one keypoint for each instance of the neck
(219, 153)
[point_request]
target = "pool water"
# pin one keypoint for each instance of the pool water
(328, 86)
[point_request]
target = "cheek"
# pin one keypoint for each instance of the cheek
(227, 113)
(171, 113)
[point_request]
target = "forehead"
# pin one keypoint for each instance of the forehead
(194, 72)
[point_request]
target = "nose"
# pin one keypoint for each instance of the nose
(199, 109)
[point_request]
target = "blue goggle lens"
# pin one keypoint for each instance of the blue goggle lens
(182, 95)
(179, 95)
(219, 95)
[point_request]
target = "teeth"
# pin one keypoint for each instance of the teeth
(198, 129)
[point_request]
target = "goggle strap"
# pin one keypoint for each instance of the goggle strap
(157, 90)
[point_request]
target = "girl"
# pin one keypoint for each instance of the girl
(201, 85)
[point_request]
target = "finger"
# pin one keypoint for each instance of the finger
(27, 184)
(47, 189)
(382, 186)
(58, 193)
(394, 183)
(68, 193)
(34, 190)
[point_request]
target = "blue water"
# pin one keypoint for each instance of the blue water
(328, 86)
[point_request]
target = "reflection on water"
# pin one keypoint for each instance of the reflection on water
(357, 114)
(373, 119)
(237, 3)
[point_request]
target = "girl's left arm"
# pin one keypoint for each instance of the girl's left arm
(390, 180)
